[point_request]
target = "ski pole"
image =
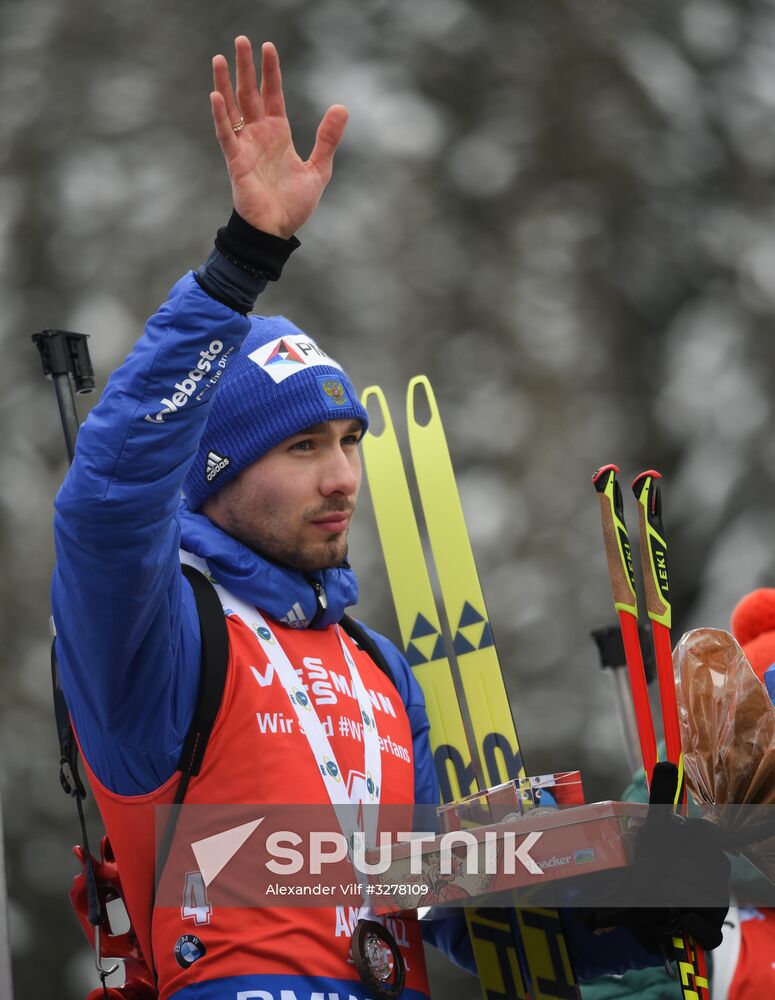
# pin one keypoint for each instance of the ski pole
(66, 362)
(613, 662)
(6, 979)
(622, 577)
(653, 552)
(693, 971)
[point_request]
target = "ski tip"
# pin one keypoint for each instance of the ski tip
(372, 391)
(375, 403)
(421, 408)
(598, 477)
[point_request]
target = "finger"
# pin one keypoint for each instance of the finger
(271, 81)
(222, 84)
(248, 96)
(224, 133)
(330, 132)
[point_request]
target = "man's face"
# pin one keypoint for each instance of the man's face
(295, 503)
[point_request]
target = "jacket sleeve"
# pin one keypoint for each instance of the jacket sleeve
(128, 634)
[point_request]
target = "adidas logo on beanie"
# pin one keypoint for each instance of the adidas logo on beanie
(215, 464)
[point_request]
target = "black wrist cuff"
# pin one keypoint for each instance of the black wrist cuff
(260, 254)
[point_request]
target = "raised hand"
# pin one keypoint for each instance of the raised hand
(272, 187)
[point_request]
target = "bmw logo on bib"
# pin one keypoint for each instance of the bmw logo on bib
(188, 949)
(300, 698)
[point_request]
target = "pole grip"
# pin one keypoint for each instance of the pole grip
(65, 359)
(617, 545)
(653, 547)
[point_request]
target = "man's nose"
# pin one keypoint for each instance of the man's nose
(340, 474)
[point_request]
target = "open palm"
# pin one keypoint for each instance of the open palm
(272, 187)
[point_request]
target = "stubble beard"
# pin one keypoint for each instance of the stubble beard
(262, 536)
(308, 558)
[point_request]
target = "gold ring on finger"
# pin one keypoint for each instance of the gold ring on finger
(238, 126)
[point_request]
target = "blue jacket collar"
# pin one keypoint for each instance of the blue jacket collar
(285, 594)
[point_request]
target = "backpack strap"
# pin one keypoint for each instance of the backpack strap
(212, 678)
(72, 785)
(69, 776)
(358, 633)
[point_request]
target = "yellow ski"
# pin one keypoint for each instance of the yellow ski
(512, 948)
(415, 604)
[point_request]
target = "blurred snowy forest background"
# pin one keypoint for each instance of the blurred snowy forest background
(561, 212)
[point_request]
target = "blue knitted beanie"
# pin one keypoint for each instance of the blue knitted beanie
(279, 384)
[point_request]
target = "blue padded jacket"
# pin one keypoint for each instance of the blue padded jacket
(128, 633)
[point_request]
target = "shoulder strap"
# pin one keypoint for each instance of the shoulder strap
(215, 658)
(357, 632)
(212, 678)
(69, 777)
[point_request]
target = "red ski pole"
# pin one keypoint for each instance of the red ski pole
(692, 967)
(653, 552)
(621, 574)
(653, 555)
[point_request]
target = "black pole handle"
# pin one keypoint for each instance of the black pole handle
(66, 361)
(608, 639)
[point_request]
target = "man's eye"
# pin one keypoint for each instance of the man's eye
(301, 446)
(352, 438)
